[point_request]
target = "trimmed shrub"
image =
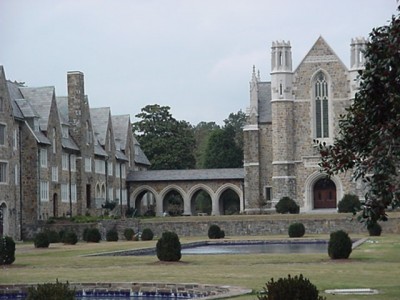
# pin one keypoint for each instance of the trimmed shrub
(340, 245)
(61, 234)
(374, 229)
(55, 291)
(91, 235)
(70, 238)
(296, 230)
(215, 232)
(129, 233)
(147, 234)
(293, 288)
(169, 247)
(349, 204)
(287, 205)
(7, 250)
(41, 240)
(112, 235)
(53, 236)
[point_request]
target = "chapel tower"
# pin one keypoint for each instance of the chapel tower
(282, 102)
(357, 62)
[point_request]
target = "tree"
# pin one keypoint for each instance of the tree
(368, 143)
(202, 132)
(168, 143)
(237, 121)
(222, 150)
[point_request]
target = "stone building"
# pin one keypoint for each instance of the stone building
(286, 115)
(59, 157)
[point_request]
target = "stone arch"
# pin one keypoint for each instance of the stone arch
(103, 191)
(147, 194)
(97, 192)
(217, 205)
(180, 191)
(309, 188)
(193, 192)
(4, 219)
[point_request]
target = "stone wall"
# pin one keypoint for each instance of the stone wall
(258, 225)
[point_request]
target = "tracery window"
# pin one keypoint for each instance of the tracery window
(321, 106)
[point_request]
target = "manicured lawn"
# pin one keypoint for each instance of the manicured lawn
(375, 264)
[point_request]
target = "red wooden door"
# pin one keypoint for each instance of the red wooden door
(324, 194)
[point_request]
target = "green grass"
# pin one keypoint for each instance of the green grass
(373, 265)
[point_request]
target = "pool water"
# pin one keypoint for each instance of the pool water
(270, 247)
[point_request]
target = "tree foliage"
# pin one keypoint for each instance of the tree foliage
(202, 132)
(222, 150)
(368, 143)
(168, 143)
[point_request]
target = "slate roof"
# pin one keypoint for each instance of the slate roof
(264, 104)
(140, 157)
(68, 143)
(100, 117)
(98, 150)
(15, 93)
(120, 155)
(26, 108)
(185, 175)
(62, 105)
(121, 126)
(40, 99)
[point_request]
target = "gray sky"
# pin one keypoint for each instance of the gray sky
(195, 56)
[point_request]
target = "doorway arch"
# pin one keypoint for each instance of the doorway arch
(324, 192)
(3, 220)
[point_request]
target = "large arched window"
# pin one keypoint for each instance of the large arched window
(321, 97)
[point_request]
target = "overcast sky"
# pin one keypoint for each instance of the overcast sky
(195, 56)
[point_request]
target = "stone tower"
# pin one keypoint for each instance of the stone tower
(251, 134)
(82, 133)
(283, 177)
(357, 62)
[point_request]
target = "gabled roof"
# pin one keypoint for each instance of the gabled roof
(98, 150)
(26, 108)
(121, 125)
(321, 51)
(62, 105)
(185, 175)
(14, 92)
(40, 99)
(100, 118)
(140, 157)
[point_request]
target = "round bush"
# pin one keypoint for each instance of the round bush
(56, 290)
(287, 205)
(215, 232)
(340, 245)
(53, 236)
(129, 233)
(374, 229)
(169, 247)
(70, 238)
(349, 204)
(296, 288)
(147, 234)
(7, 250)
(112, 235)
(91, 235)
(296, 230)
(41, 240)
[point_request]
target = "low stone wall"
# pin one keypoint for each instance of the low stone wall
(234, 226)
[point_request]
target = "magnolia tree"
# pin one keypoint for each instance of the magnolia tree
(368, 143)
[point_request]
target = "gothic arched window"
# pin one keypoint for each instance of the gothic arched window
(321, 106)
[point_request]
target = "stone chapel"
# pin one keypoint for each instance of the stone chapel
(286, 115)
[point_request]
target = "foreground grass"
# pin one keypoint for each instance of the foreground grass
(375, 264)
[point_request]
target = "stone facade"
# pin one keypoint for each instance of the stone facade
(54, 161)
(286, 115)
